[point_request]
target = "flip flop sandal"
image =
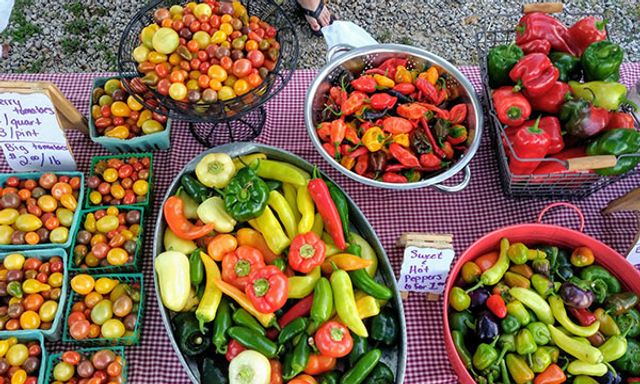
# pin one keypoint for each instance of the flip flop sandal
(315, 15)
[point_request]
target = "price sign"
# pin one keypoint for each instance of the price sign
(634, 255)
(30, 133)
(425, 269)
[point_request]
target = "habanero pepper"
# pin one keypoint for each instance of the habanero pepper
(428, 90)
(511, 107)
(324, 131)
(496, 304)
(381, 101)
(364, 84)
(539, 25)
(394, 125)
(174, 215)
(552, 375)
(587, 31)
(551, 126)
(338, 95)
(535, 73)
(531, 143)
(458, 114)
(326, 207)
(392, 177)
(404, 88)
(337, 132)
(362, 164)
(551, 101)
(536, 46)
(404, 156)
(353, 103)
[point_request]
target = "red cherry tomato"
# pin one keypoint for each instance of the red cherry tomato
(241, 67)
(256, 57)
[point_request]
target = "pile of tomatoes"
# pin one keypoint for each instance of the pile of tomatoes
(29, 291)
(119, 115)
(19, 361)
(108, 237)
(205, 52)
(118, 181)
(94, 367)
(34, 211)
(107, 308)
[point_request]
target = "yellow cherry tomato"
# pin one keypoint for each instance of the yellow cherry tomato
(29, 320)
(65, 216)
(48, 311)
(95, 197)
(47, 203)
(135, 229)
(226, 28)
(117, 132)
(152, 126)
(215, 85)
(82, 284)
(133, 104)
(216, 72)
(219, 36)
(19, 377)
(110, 175)
(120, 109)
(59, 235)
(144, 116)
(104, 285)
(112, 329)
(55, 279)
(68, 201)
(8, 216)
(240, 87)
(226, 93)
(30, 286)
(17, 354)
(117, 256)
(28, 223)
(90, 222)
(13, 262)
(117, 191)
(141, 187)
(91, 260)
(107, 224)
(157, 57)
(5, 234)
(113, 211)
(178, 91)
(6, 344)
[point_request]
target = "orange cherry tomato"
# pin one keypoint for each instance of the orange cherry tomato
(60, 189)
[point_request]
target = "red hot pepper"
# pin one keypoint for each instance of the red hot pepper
(353, 103)
(338, 95)
(390, 177)
(430, 162)
(428, 90)
(364, 84)
(238, 265)
(354, 153)
(551, 101)
(299, 309)
(458, 114)
(382, 101)
(174, 215)
(327, 208)
(582, 316)
(496, 304)
(267, 289)
(338, 131)
(307, 251)
(528, 143)
(436, 148)
(587, 31)
(351, 134)
(620, 120)
(394, 125)
(535, 73)
(512, 107)
(541, 26)
(233, 349)
(405, 88)
(412, 111)
(403, 155)
(362, 164)
(536, 46)
(324, 131)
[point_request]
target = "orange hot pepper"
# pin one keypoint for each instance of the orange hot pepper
(253, 238)
(174, 215)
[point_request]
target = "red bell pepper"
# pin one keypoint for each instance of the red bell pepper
(496, 304)
(620, 120)
(307, 251)
(327, 208)
(268, 289)
(541, 26)
(529, 142)
(391, 177)
(364, 84)
(535, 73)
(511, 107)
(403, 155)
(238, 265)
(582, 316)
(393, 124)
(536, 46)
(551, 101)
(382, 101)
(587, 31)
(551, 126)
(353, 103)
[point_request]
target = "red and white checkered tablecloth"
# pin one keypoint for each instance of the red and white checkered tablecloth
(469, 214)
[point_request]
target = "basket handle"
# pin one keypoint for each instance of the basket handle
(458, 187)
(338, 48)
(568, 205)
(550, 7)
(591, 162)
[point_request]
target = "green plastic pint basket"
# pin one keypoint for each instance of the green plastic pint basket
(54, 359)
(37, 337)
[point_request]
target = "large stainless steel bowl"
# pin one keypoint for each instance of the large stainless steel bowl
(355, 61)
(395, 357)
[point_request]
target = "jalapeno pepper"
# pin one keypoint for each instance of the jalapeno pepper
(195, 189)
(243, 318)
(253, 340)
(359, 372)
(322, 306)
(221, 323)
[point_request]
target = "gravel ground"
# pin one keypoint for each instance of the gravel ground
(78, 36)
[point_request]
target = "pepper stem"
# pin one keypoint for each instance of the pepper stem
(514, 113)
(337, 334)
(242, 268)
(260, 287)
(478, 285)
(307, 251)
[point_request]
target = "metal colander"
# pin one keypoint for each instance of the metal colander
(349, 65)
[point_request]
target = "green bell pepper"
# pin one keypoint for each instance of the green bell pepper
(211, 373)
(463, 322)
(189, 338)
(540, 332)
(617, 142)
(629, 322)
(630, 361)
(568, 66)
(360, 347)
(519, 370)
(525, 343)
(602, 60)
(500, 60)
(620, 303)
(510, 324)
(485, 355)
(594, 272)
(381, 374)
(246, 195)
(195, 189)
(603, 94)
(384, 328)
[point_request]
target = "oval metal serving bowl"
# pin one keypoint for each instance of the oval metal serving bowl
(354, 62)
(394, 357)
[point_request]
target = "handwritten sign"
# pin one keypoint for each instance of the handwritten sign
(634, 255)
(30, 134)
(425, 269)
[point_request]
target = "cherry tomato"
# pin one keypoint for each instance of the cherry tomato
(256, 57)
(80, 329)
(242, 67)
(71, 357)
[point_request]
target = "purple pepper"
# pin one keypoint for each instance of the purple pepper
(576, 297)
(479, 297)
(487, 327)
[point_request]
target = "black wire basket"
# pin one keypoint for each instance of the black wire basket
(219, 111)
(569, 185)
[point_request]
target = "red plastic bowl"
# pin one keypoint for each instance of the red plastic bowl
(534, 234)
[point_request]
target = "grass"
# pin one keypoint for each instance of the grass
(71, 45)
(101, 30)
(20, 29)
(384, 36)
(77, 27)
(75, 8)
(36, 66)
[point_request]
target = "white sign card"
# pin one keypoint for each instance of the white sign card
(425, 269)
(30, 134)
(634, 255)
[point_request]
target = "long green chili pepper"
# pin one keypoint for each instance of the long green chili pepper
(340, 201)
(461, 348)
(322, 306)
(253, 340)
(196, 268)
(301, 354)
(493, 275)
(359, 372)
(221, 323)
(243, 318)
(293, 329)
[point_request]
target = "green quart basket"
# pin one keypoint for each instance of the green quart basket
(133, 266)
(53, 333)
(87, 353)
(34, 336)
(96, 159)
(152, 142)
(76, 214)
(132, 339)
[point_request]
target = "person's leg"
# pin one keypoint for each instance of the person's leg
(317, 13)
